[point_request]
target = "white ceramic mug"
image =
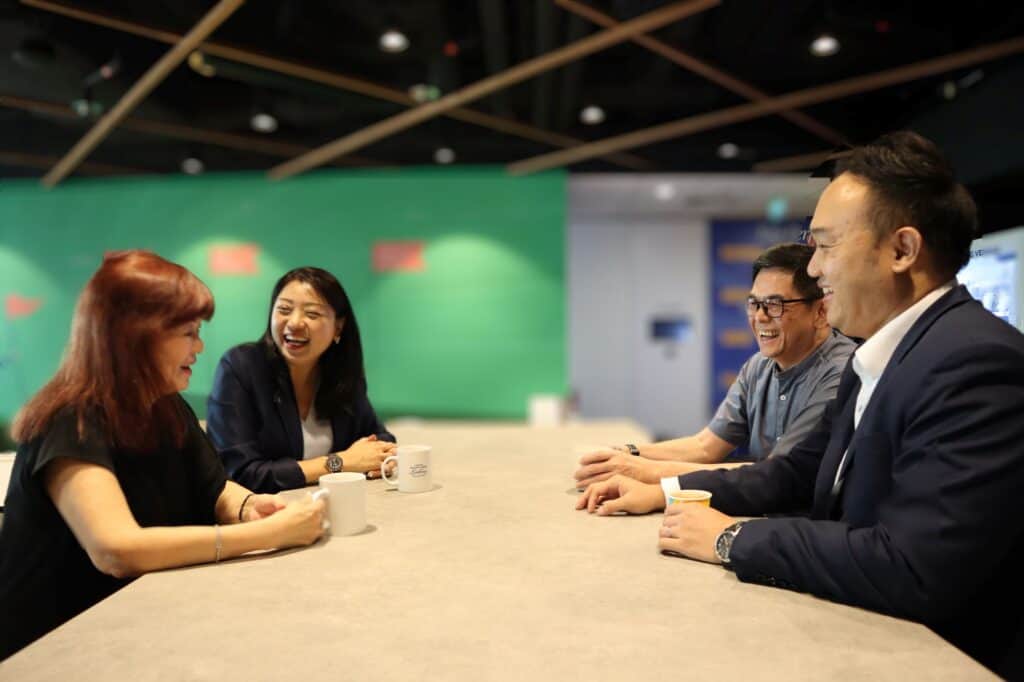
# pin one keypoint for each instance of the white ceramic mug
(346, 502)
(413, 469)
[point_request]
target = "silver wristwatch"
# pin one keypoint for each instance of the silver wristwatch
(723, 545)
(333, 463)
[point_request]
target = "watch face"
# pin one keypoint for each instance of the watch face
(333, 463)
(722, 546)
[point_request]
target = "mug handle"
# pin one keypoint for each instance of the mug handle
(316, 495)
(384, 469)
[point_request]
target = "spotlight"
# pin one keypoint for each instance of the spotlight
(664, 191)
(728, 151)
(197, 62)
(592, 115)
(192, 166)
(262, 122)
(444, 155)
(393, 41)
(421, 92)
(824, 45)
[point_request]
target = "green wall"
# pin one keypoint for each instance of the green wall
(476, 332)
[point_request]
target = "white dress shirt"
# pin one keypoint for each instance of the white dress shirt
(871, 359)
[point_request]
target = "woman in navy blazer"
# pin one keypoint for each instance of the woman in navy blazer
(292, 406)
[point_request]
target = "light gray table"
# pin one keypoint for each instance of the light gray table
(491, 576)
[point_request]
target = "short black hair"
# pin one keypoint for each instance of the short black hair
(792, 258)
(342, 374)
(912, 183)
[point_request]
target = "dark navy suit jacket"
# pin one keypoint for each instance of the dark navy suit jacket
(253, 420)
(928, 520)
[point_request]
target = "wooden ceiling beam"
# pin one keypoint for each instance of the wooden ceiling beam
(332, 79)
(753, 110)
(140, 89)
(707, 71)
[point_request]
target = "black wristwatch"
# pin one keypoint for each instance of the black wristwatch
(633, 450)
(333, 463)
(723, 545)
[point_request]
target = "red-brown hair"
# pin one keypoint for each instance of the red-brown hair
(109, 369)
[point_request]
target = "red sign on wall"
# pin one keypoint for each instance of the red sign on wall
(237, 259)
(402, 256)
(18, 306)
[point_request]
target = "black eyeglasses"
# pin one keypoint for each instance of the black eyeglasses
(773, 306)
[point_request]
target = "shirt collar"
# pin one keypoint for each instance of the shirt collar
(798, 368)
(870, 359)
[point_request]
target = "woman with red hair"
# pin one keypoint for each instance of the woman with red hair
(114, 476)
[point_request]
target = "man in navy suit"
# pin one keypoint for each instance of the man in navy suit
(911, 488)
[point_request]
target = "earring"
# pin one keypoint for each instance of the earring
(337, 339)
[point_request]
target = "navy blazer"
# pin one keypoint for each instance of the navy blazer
(927, 521)
(253, 420)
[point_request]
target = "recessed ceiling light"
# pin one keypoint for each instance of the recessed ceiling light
(393, 41)
(192, 166)
(592, 115)
(664, 191)
(824, 45)
(728, 151)
(444, 155)
(262, 122)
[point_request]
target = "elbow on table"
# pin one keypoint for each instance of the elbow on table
(118, 560)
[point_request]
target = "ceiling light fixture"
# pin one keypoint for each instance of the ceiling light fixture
(421, 92)
(824, 45)
(592, 115)
(262, 122)
(393, 41)
(664, 191)
(444, 155)
(197, 62)
(728, 151)
(192, 166)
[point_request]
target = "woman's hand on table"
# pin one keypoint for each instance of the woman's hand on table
(621, 494)
(261, 506)
(367, 454)
(299, 523)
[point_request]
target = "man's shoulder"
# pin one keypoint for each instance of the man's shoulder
(837, 349)
(969, 327)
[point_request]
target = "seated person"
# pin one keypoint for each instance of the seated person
(779, 394)
(113, 476)
(292, 406)
(913, 476)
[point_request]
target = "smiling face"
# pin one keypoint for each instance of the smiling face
(853, 266)
(790, 338)
(302, 324)
(176, 352)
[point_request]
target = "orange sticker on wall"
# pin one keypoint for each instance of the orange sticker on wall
(739, 253)
(401, 256)
(16, 306)
(237, 259)
(736, 338)
(733, 295)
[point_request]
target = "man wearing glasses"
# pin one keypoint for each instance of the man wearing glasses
(779, 394)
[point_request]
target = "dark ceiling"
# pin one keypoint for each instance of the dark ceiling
(975, 112)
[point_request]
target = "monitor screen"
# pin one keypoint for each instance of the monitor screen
(991, 277)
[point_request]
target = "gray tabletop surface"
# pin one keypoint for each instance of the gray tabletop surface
(490, 576)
